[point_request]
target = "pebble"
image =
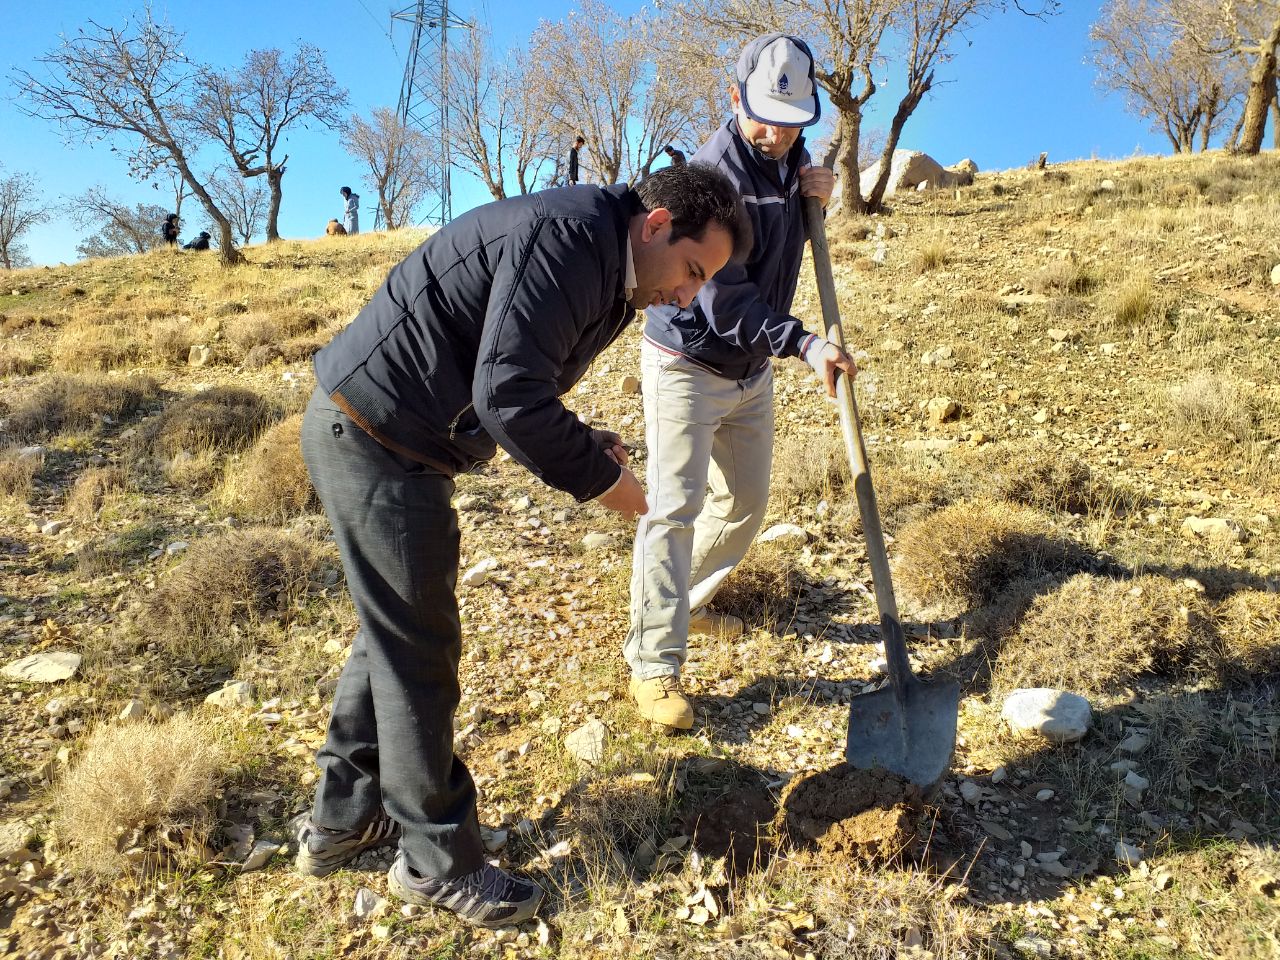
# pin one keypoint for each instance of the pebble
(478, 574)
(54, 527)
(1056, 715)
(785, 534)
(237, 693)
(596, 541)
(971, 792)
(1128, 855)
(1045, 795)
(587, 743)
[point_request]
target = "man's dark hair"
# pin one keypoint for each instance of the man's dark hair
(580, 140)
(668, 148)
(344, 190)
(698, 195)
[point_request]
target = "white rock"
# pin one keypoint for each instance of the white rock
(478, 574)
(237, 693)
(1109, 348)
(1213, 528)
(941, 409)
(1045, 795)
(1033, 947)
(999, 774)
(55, 708)
(199, 355)
(1136, 781)
(1128, 855)
(785, 534)
(52, 666)
(1275, 275)
(54, 527)
(133, 710)
(1056, 715)
(494, 840)
(15, 837)
(587, 743)
(1107, 186)
(178, 546)
(971, 792)
(1135, 743)
(262, 851)
(597, 541)
(32, 451)
(368, 904)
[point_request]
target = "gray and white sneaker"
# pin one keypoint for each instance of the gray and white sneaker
(489, 897)
(322, 851)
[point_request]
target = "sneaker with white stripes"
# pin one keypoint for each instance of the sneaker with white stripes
(322, 851)
(489, 897)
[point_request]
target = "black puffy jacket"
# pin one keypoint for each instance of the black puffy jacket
(475, 335)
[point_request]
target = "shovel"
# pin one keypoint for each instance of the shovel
(909, 727)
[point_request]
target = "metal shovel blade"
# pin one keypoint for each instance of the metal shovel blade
(913, 735)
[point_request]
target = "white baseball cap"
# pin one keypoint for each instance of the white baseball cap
(776, 81)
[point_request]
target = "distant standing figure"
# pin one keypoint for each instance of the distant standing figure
(351, 213)
(573, 160)
(169, 230)
(677, 156)
(335, 229)
(201, 242)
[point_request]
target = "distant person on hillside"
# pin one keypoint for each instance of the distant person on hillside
(169, 230)
(466, 349)
(351, 212)
(335, 229)
(677, 156)
(201, 242)
(573, 160)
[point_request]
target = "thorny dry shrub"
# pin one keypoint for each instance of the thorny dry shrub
(968, 553)
(1063, 277)
(1135, 303)
(77, 403)
(221, 418)
(92, 490)
(97, 346)
(1210, 408)
(270, 482)
(17, 363)
(809, 468)
(203, 609)
(1097, 634)
(1248, 627)
(139, 793)
(18, 473)
(764, 588)
(250, 330)
(1049, 480)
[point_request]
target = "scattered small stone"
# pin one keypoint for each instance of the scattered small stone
(1106, 186)
(1043, 415)
(237, 693)
(629, 385)
(51, 666)
(199, 355)
(970, 792)
(997, 831)
(25, 453)
(54, 527)
(494, 840)
(999, 775)
(262, 851)
(178, 546)
(931, 444)
(1056, 715)
(368, 904)
(1213, 528)
(1135, 743)
(785, 534)
(587, 743)
(596, 541)
(1275, 275)
(1109, 348)
(1033, 947)
(478, 574)
(893, 346)
(133, 710)
(762, 709)
(1045, 795)
(942, 409)
(1128, 855)
(1060, 336)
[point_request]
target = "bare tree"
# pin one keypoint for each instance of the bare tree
(246, 200)
(602, 75)
(480, 112)
(396, 156)
(119, 228)
(1254, 29)
(20, 210)
(132, 83)
(852, 39)
(251, 109)
(1160, 55)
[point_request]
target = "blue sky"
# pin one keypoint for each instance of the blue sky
(1016, 86)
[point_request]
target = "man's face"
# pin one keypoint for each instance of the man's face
(772, 141)
(674, 272)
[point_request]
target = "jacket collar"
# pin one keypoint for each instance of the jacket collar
(767, 165)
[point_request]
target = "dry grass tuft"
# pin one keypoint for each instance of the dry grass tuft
(226, 585)
(933, 255)
(1097, 634)
(1136, 304)
(93, 490)
(222, 418)
(15, 362)
(18, 474)
(809, 468)
(764, 589)
(968, 553)
(141, 794)
(1211, 408)
(98, 346)
(1249, 634)
(78, 403)
(270, 482)
(1063, 277)
(1051, 480)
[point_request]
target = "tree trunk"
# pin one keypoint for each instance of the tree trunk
(848, 131)
(227, 251)
(1262, 90)
(906, 106)
(1275, 122)
(274, 176)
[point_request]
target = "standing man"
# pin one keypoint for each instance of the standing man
(468, 346)
(169, 230)
(350, 210)
(708, 380)
(573, 159)
(677, 156)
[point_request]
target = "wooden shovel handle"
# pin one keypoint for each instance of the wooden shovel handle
(895, 649)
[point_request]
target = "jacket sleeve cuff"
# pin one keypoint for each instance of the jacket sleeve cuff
(617, 478)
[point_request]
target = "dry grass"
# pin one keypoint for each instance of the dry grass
(1248, 626)
(968, 554)
(221, 418)
(1096, 634)
(1136, 304)
(1209, 407)
(93, 490)
(933, 255)
(764, 589)
(809, 468)
(1063, 277)
(248, 330)
(98, 346)
(16, 362)
(204, 609)
(18, 474)
(1047, 479)
(78, 403)
(140, 795)
(270, 482)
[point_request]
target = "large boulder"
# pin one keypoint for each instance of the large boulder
(914, 170)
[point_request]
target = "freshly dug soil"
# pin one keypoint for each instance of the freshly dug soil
(738, 826)
(864, 814)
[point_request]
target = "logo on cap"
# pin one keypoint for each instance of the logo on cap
(783, 85)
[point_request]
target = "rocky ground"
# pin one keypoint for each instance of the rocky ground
(1069, 388)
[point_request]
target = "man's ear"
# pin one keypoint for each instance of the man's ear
(655, 222)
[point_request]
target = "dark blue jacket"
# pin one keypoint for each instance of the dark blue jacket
(476, 334)
(741, 316)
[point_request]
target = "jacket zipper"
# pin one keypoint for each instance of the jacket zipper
(453, 427)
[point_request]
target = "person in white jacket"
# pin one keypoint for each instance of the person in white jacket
(351, 213)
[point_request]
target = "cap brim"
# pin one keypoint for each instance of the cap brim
(763, 108)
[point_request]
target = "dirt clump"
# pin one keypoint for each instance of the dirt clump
(738, 826)
(859, 814)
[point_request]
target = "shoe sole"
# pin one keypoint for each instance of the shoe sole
(409, 895)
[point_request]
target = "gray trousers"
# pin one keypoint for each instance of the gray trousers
(390, 740)
(703, 432)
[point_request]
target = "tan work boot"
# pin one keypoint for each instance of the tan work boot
(659, 699)
(714, 624)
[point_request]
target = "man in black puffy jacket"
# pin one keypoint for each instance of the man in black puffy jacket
(468, 346)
